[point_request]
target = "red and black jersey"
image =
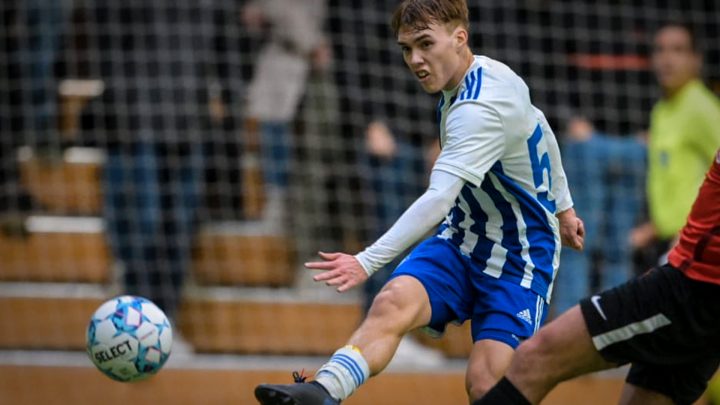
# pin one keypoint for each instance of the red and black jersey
(698, 252)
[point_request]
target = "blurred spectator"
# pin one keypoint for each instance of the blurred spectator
(231, 52)
(390, 136)
(396, 140)
(295, 44)
(153, 116)
(606, 177)
(397, 172)
(684, 134)
(33, 33)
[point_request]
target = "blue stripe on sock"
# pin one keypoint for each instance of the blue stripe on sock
(355, 365)
(348, 363)
(348, 367)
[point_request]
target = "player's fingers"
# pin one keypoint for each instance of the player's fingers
(346, 286)
(335, 281)
(326, 276)
(320, 265)
(581, 228)
(329, 256)
(578, 242)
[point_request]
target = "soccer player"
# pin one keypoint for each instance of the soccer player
(666, 323)
(501, 189)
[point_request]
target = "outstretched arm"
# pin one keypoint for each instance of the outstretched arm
(346, 271)
(475, 140)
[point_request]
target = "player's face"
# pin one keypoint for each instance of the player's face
(674, 61)
(434, 55)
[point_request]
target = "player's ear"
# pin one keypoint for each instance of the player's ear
(460, 36)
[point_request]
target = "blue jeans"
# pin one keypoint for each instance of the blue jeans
(28, 89)
(151, 196)
(606, 176)
(275, 148)
(46, 22)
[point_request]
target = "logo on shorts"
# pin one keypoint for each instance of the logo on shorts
(525, 316)
(595, 299)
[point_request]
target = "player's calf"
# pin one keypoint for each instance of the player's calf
(488, 362)
(400, 307)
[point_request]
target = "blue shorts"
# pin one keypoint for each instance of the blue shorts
(459, 290)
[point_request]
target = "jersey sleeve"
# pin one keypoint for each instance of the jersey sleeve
(426, 212)
(560, 189)
(475, 140)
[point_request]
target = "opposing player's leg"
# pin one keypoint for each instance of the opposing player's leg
(659, 384)
(561, 350)
(632, 394)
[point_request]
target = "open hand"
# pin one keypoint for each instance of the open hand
(339, 269)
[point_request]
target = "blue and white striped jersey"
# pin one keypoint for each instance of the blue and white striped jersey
(494, 138)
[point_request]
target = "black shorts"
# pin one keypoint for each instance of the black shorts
(665, 324)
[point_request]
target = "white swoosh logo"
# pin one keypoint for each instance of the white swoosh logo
(595, 299)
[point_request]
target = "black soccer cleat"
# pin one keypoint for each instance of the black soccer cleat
(300, 393)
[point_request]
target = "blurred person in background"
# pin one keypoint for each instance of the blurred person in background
(606, 175)
(397, 142)
(230, 57)
(295, 45)
(153, 115)
(684, 133)
(30, 43)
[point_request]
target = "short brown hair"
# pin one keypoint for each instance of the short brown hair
(419, 14)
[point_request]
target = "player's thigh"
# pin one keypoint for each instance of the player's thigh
(678, 384)
(442, 271)
(561, 350)
(403, 304)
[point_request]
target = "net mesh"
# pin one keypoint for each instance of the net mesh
(197, 152)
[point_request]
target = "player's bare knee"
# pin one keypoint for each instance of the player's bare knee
(388, 302)
(394, 303)
(531, 359)
(479, 384)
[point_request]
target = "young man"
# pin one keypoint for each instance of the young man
(683, 136)
(498, 183)
(665, 323)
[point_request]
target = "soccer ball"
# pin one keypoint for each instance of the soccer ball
(129, 338)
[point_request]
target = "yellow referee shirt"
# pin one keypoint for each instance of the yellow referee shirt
(684, 136)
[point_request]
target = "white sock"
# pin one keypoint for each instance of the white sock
(343, 373)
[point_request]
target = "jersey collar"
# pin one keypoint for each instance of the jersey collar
(450, 94)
